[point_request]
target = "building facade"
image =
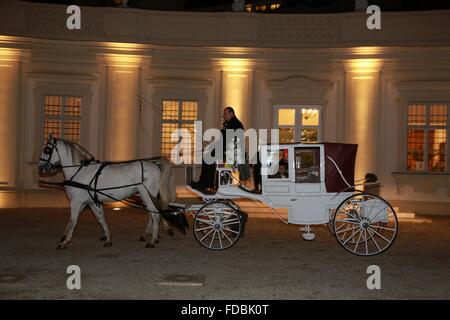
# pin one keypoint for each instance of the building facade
(128, 77)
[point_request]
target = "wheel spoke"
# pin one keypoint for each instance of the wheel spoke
(348, 229)
(228, 229)
(206, 235)
(351, 237)
(205, 228)
(381, 236)
(365, 242)
(220, 240)
(386, 228)
(208, 222)
(359, 239)
(373, 238)
(212, 239)
(226, 236)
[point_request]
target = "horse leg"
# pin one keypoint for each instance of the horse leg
(148, 229)
(156, 217)
(100, 215)
(75, 209)
(152, 226)
(167, 228)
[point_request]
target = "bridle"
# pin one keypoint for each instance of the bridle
(48, 150)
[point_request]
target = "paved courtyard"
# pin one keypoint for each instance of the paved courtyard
(271, 262)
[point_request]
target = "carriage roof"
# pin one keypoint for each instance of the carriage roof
(343, 154)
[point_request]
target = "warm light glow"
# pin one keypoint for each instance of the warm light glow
(123, 60)
(286, 117)
(310, 117)
(366, 50)
(364, 65)
(8, 54)
(236, 64)
(235, 85)
(116, 209)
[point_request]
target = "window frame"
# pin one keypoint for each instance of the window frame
(298, 125)
(178, 122)
(62, 117)
(426, 128)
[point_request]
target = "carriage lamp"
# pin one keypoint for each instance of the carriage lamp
(116, 208)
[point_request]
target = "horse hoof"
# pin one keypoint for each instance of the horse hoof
(103, 238)
(61, 247)
(170, 232)
(142, 238)
(63, 238)
(157, 241)
(150, 245)
(107, 244)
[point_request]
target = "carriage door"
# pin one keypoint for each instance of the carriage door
(308, 185)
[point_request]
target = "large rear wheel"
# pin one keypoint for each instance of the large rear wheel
(365, 225)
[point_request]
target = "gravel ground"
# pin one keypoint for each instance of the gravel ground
(270, 262)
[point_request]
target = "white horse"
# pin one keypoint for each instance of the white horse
(92, 183)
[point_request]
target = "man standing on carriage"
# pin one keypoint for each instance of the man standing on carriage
(206, 182)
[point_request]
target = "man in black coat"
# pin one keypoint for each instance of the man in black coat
(207, 180)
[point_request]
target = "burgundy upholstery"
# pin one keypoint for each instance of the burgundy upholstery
(344, 155)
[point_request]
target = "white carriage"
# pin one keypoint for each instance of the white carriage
(316, 186)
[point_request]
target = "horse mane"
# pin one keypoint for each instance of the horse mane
(79, 153)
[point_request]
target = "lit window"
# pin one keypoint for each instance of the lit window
(176, 115)
(307, 165)
(298, 123)
(274, 6)
(62, 117)
(258, 8)
(263, 7)
(248, 7)
(427, 137)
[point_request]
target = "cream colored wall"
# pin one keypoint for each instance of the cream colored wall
(242, 61)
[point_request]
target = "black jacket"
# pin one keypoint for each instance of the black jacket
(234, 124)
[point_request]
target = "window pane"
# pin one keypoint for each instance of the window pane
(52, 127)
(438, 114)
(71, 131)
(286, 117)
(286, 135)
(282, 158)
(72, 106)
(310, 117)
(416, 144)
(307, 165)
(170, 110)
(188, 140)
(416, 114)
(189, 110)
(309, 135)
(437, 140)
(52, 106)
(166, 143)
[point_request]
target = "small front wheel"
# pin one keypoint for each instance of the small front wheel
(365, 225)
(217, 226)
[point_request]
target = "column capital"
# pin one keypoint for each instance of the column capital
(362, 66)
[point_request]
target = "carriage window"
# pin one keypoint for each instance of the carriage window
(62, 117)
(282, 157)
(307, 165)
(177, 114)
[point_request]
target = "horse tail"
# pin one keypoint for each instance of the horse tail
(167, 188)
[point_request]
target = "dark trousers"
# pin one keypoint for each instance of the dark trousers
(207, 176)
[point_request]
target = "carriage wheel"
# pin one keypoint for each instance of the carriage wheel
(365, 225)
(217, 226)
